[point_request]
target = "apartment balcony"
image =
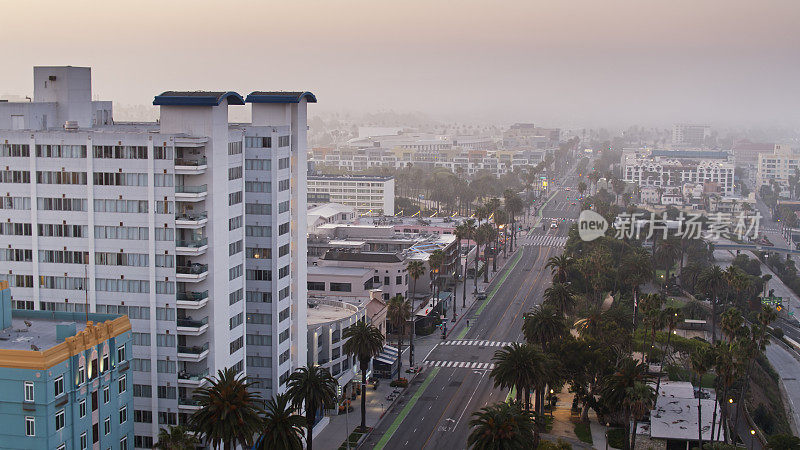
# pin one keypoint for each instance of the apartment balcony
(192, 273)
(195, 353)
(191, 193)
(191, 220)
(191, 247)
(191, 300)
(188, 404)
(192, 379)
(190, 166)
(190, 327)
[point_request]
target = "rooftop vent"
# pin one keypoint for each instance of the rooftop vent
(71, 125)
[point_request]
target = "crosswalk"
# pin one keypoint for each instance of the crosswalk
(544, 240)
(476, 342)
(460, 364)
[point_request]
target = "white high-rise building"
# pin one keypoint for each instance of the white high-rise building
(192, 226)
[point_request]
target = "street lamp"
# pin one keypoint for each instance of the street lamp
(752, 436)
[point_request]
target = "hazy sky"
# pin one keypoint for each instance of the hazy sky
(559, 62)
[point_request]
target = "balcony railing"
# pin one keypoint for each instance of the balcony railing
(194, 217)
(194, 269)
(194, 349)
(188, 401)
(191, 323)
(193, 376)
(191, 189)
(191, 162)
(192, 243)
(191, 296)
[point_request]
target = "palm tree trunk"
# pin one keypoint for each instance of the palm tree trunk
(485, 264)
(364, 364)
(714, 319)
(721, 414)
(663, 357)
(413, 326)
(464, 284)
(495, 252)
(400, 350)
(310, 426)
(700, 419)
(627, 427)
(527, 398)
(477, 252)
(742, 396)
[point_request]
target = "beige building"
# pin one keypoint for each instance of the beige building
(778, 165)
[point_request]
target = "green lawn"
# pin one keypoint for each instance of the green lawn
(584, 432)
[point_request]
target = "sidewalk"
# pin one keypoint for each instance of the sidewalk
(336, 432)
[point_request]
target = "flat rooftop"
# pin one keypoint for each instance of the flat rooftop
(324, 313)
(41, 333)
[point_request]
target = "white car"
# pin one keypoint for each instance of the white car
(554, 224)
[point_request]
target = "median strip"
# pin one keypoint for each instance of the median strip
(397, 421)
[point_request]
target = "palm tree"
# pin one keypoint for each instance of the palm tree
(559, 267)
(619, 387)
(701, 361)
(469, 228)
(364, 342)
(501, 426)
(639, 401)
(283, 429)
(666, 254)
(513, 205)
(462, 231)
(229, 413)
(713, 281)
(759, 339)
(399, 312)
(517, 366)
(415, 270)
(731, 323)
(176, 438)
(561, 297)
(544, 325)
(311, 388)
(672, 316)
(589, 325)
(435, 261)
(500, 220)
(485, 235)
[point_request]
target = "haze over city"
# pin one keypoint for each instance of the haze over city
(577, 63)
(400, 224)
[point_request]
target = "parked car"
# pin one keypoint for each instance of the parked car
(481, 295)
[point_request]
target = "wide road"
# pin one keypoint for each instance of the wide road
(456, 380)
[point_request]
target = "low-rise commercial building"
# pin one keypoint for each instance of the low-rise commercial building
(65, 379)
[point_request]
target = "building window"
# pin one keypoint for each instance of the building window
(84, 441)
(283, 185)
(316, 285)
(30, 426)
(59, 420)
(105, 364)
(122, 384)
(123, 443)
(82, 408)
(29, 391)
(81, 374)
(340, 287)
(123, 415)
(106, 395)
(120, 354)
(283, 228)
(107, 425)
(59, 385)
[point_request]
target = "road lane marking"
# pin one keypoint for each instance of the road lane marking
(413, 401)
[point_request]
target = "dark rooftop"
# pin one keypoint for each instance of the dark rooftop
(197, 98)
(280, 97)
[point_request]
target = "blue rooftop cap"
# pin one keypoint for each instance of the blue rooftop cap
(280, 97)
(197, 98)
